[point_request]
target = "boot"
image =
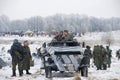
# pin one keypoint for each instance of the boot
(98, 67)
(108, 65)
(27, 72)
(104, 67)
(13, 73)
(20, 73)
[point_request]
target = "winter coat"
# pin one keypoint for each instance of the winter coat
(58, 38)
(97, 56)
(27, 58)
(109, 55)
(104, 56)
(17, 52)
(87, 53)
(68, 37)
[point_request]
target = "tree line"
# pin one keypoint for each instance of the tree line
(73, 22)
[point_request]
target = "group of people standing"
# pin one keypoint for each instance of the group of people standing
(21, 56)
(102, 57)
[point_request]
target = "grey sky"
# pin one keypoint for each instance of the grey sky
(19, 9)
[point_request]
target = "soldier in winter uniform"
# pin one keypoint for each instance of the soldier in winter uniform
(100, 57)
(67, 36)
(109, 55)
(59, 37)
(118, 54)
(17, 53)
(27, 58)
(97, 57)
(103, 58)
(88, 54)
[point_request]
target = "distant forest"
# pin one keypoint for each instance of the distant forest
(59, 22)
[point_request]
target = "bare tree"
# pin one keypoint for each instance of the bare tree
(108, 38)
(73, 22)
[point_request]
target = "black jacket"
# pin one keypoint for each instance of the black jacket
(17, 51)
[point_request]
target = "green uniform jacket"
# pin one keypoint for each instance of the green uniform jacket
(97, 56)
(104, 55)
(109, 55)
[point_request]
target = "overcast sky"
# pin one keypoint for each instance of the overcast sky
(20, 9)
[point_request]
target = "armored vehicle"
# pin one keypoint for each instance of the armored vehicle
(64, 56)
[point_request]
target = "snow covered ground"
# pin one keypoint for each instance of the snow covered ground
(112, 73)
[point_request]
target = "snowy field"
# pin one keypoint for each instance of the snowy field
(112, 73)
